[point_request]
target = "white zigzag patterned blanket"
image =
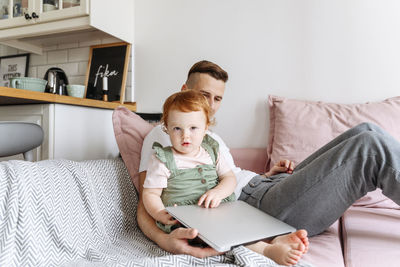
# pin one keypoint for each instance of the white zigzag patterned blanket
(66, 213)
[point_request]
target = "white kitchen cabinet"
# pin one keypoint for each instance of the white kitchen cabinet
(16, 13)
(70, 132)
(24, 23)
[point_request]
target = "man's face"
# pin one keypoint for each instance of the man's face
(211, 88)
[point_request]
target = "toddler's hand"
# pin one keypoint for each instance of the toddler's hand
(211, 199)
(164, 217)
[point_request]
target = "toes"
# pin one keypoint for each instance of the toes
(298, 246)
(301, 233)
(295, 253)
(305, 240)
(294, 257)
(298, 254)
(292, 261)
(306, 244)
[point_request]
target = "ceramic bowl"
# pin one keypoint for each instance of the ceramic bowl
(28, 83)
(76, 90)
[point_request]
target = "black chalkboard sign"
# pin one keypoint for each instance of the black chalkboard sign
(106, 72)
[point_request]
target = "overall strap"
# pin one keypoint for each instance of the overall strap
(165, 155)
(211, 146)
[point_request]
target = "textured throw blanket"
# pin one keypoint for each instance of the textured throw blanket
(66, 213)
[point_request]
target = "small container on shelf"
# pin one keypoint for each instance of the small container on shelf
(105, 88)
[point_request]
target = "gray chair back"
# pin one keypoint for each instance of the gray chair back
(19, 137)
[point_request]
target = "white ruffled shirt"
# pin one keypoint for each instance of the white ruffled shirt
(157, 173)
(158, 135)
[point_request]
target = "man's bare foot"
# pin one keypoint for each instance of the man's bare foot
(298, 237)
(283, 254)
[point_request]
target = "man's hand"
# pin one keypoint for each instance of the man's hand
(177, 243)
(211, 199)
(283, 165)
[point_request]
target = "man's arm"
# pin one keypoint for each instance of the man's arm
(154, 206)
(177, 241)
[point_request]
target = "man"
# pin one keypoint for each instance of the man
(210, 80)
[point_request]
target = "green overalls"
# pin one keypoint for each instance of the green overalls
(186, 186)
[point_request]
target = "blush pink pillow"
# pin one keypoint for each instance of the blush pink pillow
(252, 159)
(130, 130)
(298, 128)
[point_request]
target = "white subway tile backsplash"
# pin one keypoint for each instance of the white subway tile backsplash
(78, 54)
(7, 50)
(70, 69)
(129, 78)
(110, 40)
(41, 70)
(58, 56)
(130, 64)
(77, 80)
(36, 60)
(128, 94)
(32, 72)
(82, 67)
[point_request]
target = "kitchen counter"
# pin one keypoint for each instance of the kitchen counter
(12, 96)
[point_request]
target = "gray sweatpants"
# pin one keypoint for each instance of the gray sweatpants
(326, 183)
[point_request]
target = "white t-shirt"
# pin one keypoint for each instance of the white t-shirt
(158, 135)
(158, 174)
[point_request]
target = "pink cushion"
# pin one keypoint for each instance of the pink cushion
(325, 249)
(298, 128)
(130, 131)
(371, 237)
(376, 199)
(252, 159)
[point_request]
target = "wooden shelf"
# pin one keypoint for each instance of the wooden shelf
(11, 96)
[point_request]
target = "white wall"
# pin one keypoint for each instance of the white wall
(339, 51)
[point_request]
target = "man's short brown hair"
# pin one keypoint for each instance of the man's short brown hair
(209, 68)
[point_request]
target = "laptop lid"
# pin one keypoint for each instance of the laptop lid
(230, 224)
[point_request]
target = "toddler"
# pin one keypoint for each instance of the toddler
(192, 171)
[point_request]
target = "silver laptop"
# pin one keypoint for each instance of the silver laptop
(230, 224)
